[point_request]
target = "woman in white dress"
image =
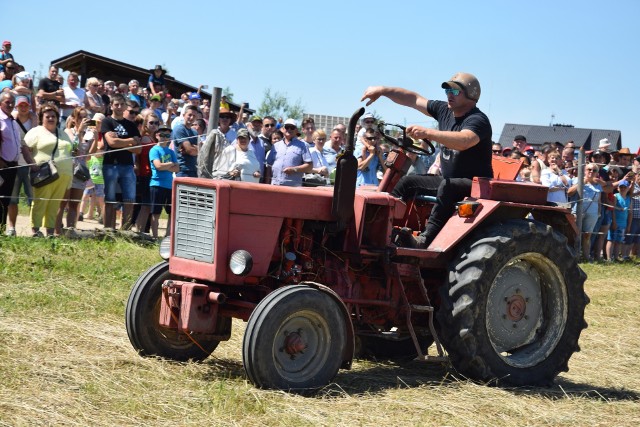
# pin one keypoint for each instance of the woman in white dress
(238, 162)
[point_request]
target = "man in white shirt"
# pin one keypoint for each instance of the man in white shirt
(73, 96)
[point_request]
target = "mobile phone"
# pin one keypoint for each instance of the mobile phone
(91, 123)
(205, 86)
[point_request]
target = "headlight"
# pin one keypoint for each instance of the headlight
(165, 248)
(241, 263)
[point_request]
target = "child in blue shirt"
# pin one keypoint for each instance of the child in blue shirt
(164, 163)
(621, 223)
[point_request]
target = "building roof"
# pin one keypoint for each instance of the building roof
(538, 135)
(88, 64)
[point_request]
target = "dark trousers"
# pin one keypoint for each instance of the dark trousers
(6, 189)
(449, 191)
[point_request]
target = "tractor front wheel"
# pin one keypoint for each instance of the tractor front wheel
(294, 340)
(143, 322)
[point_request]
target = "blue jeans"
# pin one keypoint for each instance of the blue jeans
(122, 174)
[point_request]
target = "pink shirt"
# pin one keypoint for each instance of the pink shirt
(10, 145)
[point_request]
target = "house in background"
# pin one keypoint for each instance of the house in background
(538, 135)
(88, 64)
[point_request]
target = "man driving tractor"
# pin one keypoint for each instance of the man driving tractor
(464, 134)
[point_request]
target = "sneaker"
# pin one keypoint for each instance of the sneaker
(37, 234)
(81, 217)
(10, 232)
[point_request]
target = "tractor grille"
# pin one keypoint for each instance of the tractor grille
(195, 220)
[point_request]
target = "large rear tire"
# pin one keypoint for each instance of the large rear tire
(143, 327)
(294, 340)
(513, 308)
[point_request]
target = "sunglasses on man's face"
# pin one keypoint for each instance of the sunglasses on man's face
(133, 111)
(290, 127)
(269, 125)
(454, 92)
(164, 134)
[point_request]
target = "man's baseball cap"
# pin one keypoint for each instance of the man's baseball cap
(243, 133)
(291, 122)
(155, 98)
(623, 183)
(194, 96)
(255, 119)
(465, 81)
(367, 116)
(520, 138)
(6, 43)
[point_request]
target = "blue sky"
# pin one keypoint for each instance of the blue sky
(576, 60)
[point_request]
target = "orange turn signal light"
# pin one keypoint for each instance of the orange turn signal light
(468, 209)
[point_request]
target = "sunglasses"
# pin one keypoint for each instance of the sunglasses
(133, 111)
(454, 92)
(164, 134)
(290, 127)
(368, 122)
(497, 151)
(153, 123)
(269, 125)
(371, 138)
(590, 170)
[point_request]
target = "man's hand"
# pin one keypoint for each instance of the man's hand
(372, 93)
(290, 170)
(418, 132)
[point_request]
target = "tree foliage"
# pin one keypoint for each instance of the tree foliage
(276, 104)
(227, 92)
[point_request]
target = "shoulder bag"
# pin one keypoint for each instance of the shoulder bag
(47, 172)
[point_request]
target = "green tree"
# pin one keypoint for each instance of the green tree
(276, 104)
(227, 92)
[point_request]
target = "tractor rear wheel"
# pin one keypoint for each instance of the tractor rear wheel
(513, 308)
(294, 340)
(143, 327)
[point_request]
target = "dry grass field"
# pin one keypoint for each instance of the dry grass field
(65, 359)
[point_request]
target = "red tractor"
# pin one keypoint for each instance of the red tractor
(315, 274)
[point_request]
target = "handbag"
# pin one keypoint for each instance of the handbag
(81, 172)
(47, 172)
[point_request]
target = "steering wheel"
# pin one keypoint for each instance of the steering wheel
(407, 143)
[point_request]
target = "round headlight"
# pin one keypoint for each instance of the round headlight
(165, 248)
(241, 263)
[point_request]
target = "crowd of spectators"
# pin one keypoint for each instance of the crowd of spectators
(611, 191)
(135, 138)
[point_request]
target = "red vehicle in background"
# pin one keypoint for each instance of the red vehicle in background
(315, 274)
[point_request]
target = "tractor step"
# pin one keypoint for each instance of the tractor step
(421, 308)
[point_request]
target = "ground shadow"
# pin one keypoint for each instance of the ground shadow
(382, 376)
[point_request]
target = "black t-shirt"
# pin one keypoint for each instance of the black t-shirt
(49, 86)
(475, 161)
(124, 129)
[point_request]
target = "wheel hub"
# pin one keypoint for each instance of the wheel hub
(294, 344)
(514, 307)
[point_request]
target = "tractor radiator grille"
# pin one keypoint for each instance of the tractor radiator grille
(195, 220)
